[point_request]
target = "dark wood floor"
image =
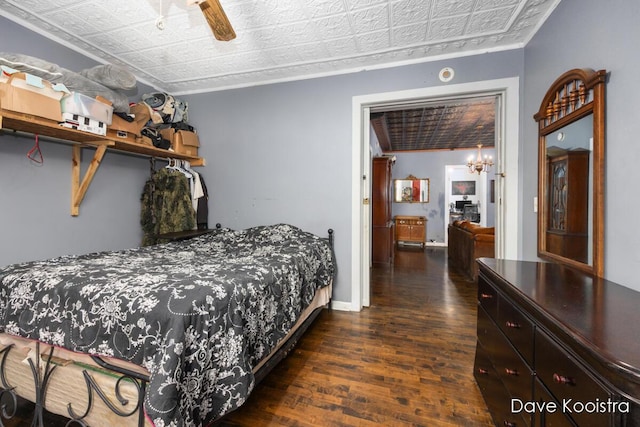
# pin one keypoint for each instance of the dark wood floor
(405, 361)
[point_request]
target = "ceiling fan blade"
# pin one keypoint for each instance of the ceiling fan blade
(217, 19)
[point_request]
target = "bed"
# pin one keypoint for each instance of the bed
(182, 329)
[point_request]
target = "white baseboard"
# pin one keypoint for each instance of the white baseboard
(436, 244)
(417, 245)
(340, 305)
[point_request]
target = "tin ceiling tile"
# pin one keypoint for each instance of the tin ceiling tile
(277, 40)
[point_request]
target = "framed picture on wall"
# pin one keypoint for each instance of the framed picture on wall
(463, 188)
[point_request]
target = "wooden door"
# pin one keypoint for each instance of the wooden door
(382, 239)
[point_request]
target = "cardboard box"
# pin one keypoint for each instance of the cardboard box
(182, 141)
(85, 106)
(85, 124)
(186, 142)
(140, 115)
(122, 135)
(28, 94)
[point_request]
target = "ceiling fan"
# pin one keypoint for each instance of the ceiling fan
(217, 19)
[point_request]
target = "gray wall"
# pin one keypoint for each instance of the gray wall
(593, 34)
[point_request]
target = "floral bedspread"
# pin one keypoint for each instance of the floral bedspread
(197, 314)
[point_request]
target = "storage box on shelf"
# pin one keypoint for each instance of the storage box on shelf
(85, 124)
(24, 93)
(182, 141)
(78, 104)
(139, 116)
(186, 142)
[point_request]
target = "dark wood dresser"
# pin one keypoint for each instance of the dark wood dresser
(556, 347)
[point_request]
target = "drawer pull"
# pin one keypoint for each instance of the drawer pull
(513, 325)
(486, 296)
(483, 371)
(513, 372)
(561, 379)
(509, 424)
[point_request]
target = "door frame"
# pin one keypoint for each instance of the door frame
(507, 169)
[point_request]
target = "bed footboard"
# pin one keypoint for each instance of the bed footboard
(97, 395)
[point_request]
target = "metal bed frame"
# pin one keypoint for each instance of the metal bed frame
(41, 378)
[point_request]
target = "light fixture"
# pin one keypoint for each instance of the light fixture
(480, 164)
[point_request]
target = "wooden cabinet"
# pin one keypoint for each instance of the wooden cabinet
(568, 216)
(556, 347)
(411, 229)
(382, 227)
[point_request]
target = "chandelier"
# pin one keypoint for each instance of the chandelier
(480, 164)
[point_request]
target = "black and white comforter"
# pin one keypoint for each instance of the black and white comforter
(198, 314)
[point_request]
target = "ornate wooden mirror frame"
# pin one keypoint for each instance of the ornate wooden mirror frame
(570, 173)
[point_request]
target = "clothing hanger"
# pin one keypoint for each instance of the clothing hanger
(180, 167)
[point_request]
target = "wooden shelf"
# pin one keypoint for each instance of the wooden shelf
(19, 122)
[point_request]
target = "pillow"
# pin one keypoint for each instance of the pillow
(111, 76)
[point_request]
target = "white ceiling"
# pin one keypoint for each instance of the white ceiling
(277, 40)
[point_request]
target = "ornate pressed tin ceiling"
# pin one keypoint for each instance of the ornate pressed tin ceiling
(277, 40)
(455, 124)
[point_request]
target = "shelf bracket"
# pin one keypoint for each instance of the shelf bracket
(79, 189)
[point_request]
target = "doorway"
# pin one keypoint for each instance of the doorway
(506, 187)
(457, 173)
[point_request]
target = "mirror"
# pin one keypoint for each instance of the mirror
(571, 171)
(411, 190)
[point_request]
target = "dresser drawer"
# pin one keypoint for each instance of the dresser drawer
(488, 298)
(570, 383)
(517, 327)
(496, 397)
(487, 377)
(513, 373)
(488, 333)
(553, 418)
